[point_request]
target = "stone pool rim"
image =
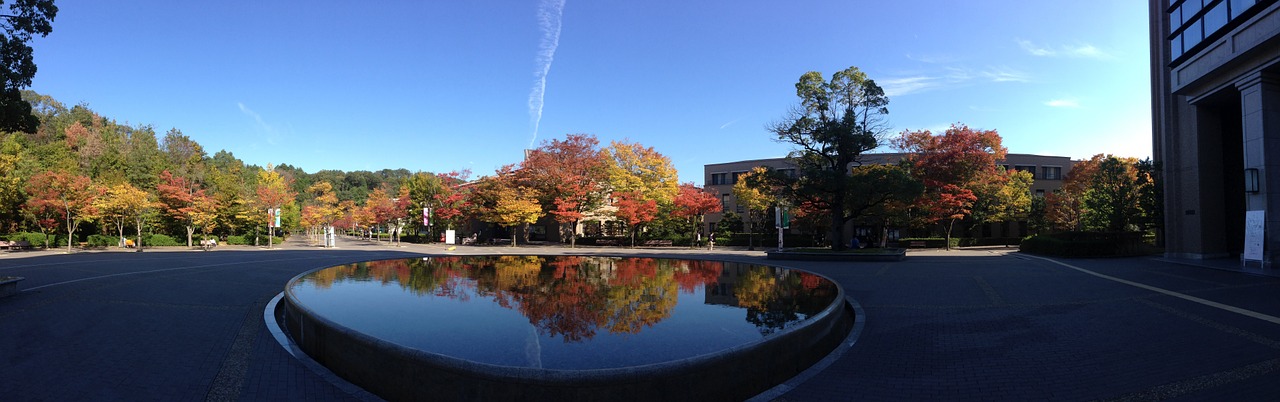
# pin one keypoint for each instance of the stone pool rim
(378, 365)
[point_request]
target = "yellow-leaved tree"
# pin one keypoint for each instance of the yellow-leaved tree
(123, 203)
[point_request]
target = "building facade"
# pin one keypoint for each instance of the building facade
(1216, 122)
(1048, 172)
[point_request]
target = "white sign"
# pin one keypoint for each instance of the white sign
(1254, 222)
(450, 236)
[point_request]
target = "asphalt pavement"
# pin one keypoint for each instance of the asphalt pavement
(975, 324)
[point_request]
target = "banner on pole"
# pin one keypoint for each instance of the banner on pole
(426, 217)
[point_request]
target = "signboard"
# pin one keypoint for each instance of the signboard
(782, 218)
(1254, 223)
(277, 217)
(450, 237)
(426, 217)
(271, 217)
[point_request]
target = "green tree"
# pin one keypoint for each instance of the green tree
(24, 19)
(1111, 201)
(834, 124)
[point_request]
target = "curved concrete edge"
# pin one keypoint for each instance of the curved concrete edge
(271, 316)
(860, 321)
(395, 372)
(9, 285)
(896, 255)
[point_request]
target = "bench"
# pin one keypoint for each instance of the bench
(916, 244)
(16, 245)
(607, 242)
(208, 244)
(657, 243)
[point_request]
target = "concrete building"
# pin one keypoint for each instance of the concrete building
(1216, 122)
(1048, 172)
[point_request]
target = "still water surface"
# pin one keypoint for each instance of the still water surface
(564, 312)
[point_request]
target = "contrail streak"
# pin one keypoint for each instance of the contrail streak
(549, 13)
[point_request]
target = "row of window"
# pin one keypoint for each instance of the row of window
(732, 178)
(1193, 21)
(1046, 172)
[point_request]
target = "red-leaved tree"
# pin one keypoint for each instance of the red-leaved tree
(694, 203)
(635, 210)
(71, 196)
(950, 166)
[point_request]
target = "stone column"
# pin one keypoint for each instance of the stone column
(1260, 104)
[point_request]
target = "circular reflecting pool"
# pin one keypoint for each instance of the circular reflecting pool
(524, 316)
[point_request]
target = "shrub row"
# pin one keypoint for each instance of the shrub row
(1086, 244)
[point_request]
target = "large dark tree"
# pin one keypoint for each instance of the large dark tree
(22, 20)
(834, 124)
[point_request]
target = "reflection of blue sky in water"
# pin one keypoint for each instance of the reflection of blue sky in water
(462, 316)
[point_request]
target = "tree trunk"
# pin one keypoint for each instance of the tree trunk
(884, 233)
(513, 236)
(120, 229)
(190, 231)
(947, 239)
(573, 234)
(138, 244)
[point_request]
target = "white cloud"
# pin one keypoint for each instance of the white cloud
(271, 133)
(1033, 49)
(1066, 103)
(1005, 74)
(1083, 50)
(908, 85)
(549, 13)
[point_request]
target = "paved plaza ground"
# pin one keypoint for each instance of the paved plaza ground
(985, 324)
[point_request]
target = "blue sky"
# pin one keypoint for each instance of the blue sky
(444, 85)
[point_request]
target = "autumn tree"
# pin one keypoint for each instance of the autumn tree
(18, 25)
(185, 203)
(754, 193)
(951, 166)
(694, 203)
(273, 192)
(70, 195)
(1005, 197)
(833, 125)
(324, 209)
(500, 200)
(634, 209)
(634, 168)
(124, 203)
(570, 175)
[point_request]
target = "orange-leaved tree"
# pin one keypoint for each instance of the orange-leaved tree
(69, 194)
(635, 210)
(694, 203)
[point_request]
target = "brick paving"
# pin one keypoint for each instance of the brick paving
(962, 325)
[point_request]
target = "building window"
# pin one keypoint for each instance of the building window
(1028, 169)
(1051, 172)
(724, 201)
(719, 178)
(736, 175)
(1040, 192)
(1194, 21)
(791, 173)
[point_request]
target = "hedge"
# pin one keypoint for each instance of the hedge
(240, 240)
(97, 240)
(162, 240)
(37, 239)
(1086, 244)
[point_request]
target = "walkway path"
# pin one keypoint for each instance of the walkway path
(973, 324)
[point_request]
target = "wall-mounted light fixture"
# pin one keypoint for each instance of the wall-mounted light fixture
(1251, 181)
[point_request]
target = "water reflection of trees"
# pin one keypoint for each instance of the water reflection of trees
(574, 297)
